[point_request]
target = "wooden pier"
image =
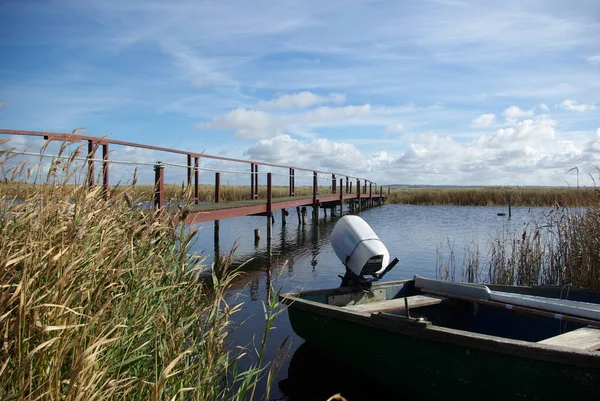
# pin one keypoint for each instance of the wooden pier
(365, 194)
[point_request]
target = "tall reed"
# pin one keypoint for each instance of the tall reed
(99, 300)
(561, 248)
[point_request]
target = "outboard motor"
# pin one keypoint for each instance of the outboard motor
(361, 251)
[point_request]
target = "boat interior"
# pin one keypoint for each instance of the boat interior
(476, 309)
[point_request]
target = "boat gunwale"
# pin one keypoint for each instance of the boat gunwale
(427, 330)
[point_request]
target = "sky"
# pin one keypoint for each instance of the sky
(437, 92)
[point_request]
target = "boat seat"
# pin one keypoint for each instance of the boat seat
(585, 338)
(414, 301)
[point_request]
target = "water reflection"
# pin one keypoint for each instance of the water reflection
(312, 375)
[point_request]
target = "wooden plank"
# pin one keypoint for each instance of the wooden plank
(357, 298)
(586, 338)
(414, 301)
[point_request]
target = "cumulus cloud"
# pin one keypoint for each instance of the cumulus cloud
(256, 124)
(540, 128)
(483, 120)
(398, 127)
(544, 107)
(514, 113)
(320, 154)
(247, 124)
(301, 100)
(573, 105)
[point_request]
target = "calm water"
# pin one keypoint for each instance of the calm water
(413, 233)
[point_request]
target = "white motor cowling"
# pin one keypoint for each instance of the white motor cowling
(358, 247)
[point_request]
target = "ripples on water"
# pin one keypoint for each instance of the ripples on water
(413, 233)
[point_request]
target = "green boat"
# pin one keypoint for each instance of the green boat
(430, 339)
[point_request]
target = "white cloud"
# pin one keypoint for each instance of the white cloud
(540, 128)
(483, 120)
(397, 127)
(594, 60)
(327, 114)
(248, 124)
(301, 100)
(573, 105)
(544, 107)
(513, 113)
(255, 124)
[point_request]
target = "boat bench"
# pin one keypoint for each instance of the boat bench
(414, 301)
(585, 338)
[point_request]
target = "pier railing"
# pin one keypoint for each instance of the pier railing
(363, 187)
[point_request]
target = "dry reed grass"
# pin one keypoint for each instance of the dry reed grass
(495, 196)
(562, 248)
(99, 300)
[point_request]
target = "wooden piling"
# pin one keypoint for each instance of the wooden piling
(298, 213)
(283, 214)
(217, 187)
(159, 185)
(196, 180)
(90, 172)
(303, 212)
(509, 207)
(105, 169)
(256, 236)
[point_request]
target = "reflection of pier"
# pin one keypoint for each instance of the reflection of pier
(282, 252)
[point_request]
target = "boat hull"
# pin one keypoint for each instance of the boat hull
(416, 365)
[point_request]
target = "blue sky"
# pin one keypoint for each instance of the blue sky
(417, 92)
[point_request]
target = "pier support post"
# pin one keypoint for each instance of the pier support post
(105, 169)
(159, 185)
(190, 171)
(90, 172)
(284, 213)
(358, 190)
(333, 184)
(292, 183)
(196, 180)
(298, 213)
(217, 187)
(315, 186)
(303, 212)
(256, 236)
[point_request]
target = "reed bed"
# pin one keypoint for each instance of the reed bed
(495, 196)
(173, 192)
(101, 301)
(563, 248)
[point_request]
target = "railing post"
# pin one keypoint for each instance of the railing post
(370, 189)
(189, 170)
(91, 153)
(388, 189)
(251, 180)
(292, 192)
(347, 184)
(217, 187)
(159, 185)
(314, 187)
(358, 188)
(255, 181)
(269, 195)
(333, 184)
(196, 179)
(350, 190)
(105, 169)
(341, 192)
